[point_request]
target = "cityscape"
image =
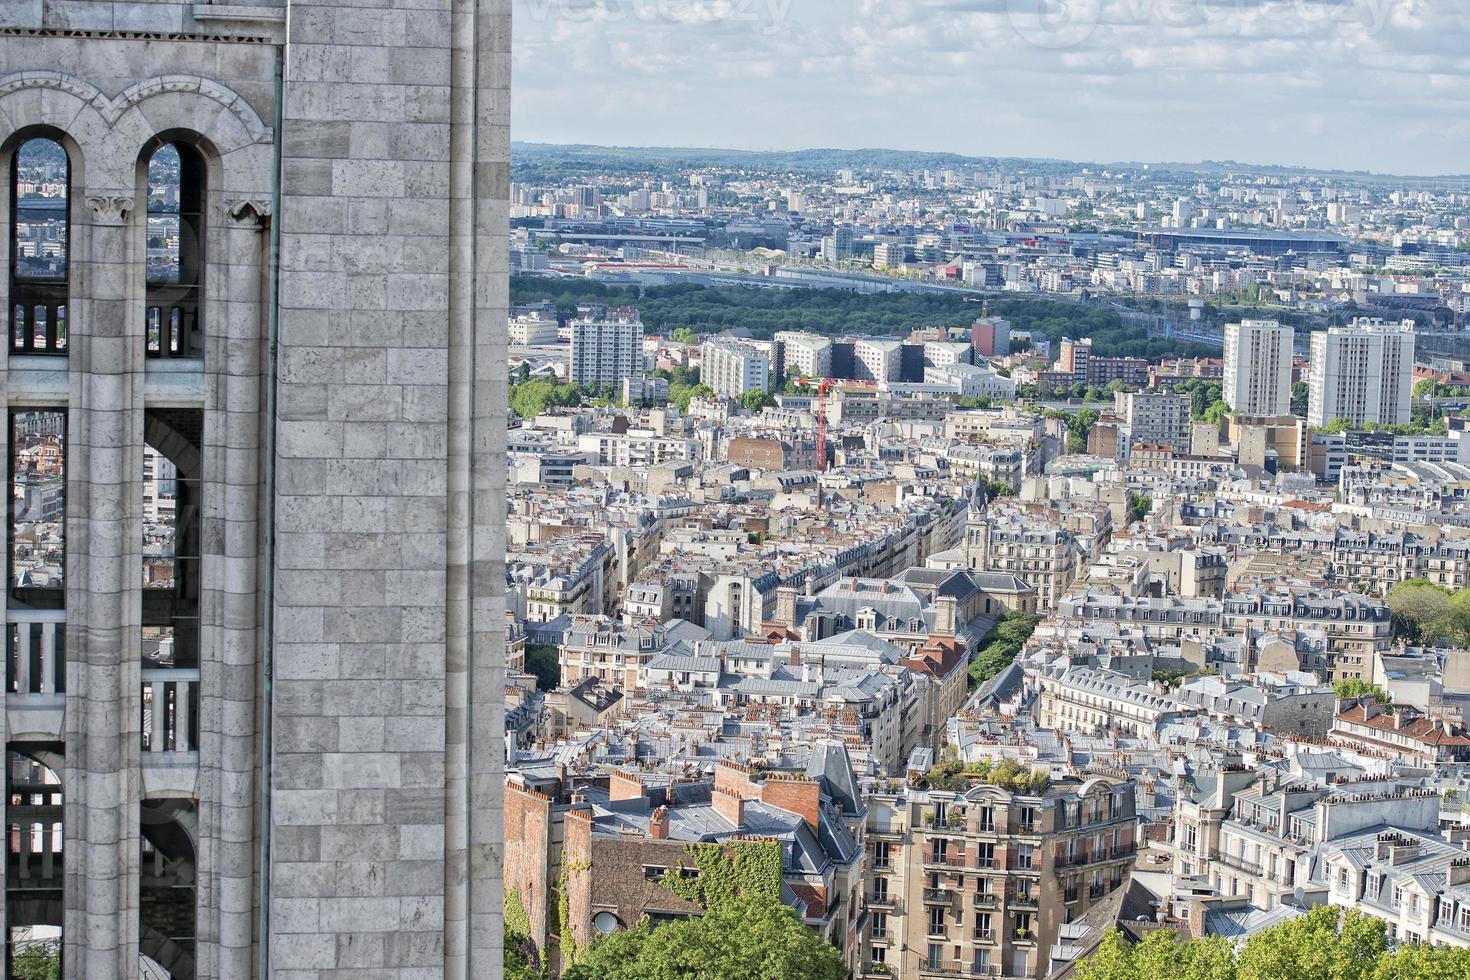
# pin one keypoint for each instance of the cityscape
(1057, 567)
(736, 490)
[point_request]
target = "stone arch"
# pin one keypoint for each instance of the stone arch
(229, 129)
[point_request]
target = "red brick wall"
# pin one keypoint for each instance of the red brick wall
(800, 796)
(621, 786)
(527, 858)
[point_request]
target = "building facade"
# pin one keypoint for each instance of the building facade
(732, 369)
(1363, 373)
(1258, 367)
(607, 349)
(253, 570)
(977, 881)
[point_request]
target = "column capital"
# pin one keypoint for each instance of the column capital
(109, 209)
(249, 210)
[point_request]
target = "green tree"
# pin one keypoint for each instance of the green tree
(1413, 961)
(756, 399)
(1324, 944)
(747, 939)
(684, 335)
(523, 373)
(1139, 507)
(681, 395)
(1355, 687)
(37, 961)
(1421, 610)
(533, 398)
(1301, 395)
(542, 660)
(1001, 645)
(1161, 955)
(995, 489)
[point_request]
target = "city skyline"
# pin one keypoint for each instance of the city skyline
(1269, 83)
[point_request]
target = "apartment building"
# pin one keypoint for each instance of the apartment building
(808, 355)
(1156, 418)
(1086, 700)
(1354, 626)
(1272, 836)
(731, 369)
(877, 359)
(1257, 373)
(1363, 372)
(607, 348)
(1044, 556)
(977, 880)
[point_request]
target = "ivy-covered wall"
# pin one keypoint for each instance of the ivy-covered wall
(730, 870)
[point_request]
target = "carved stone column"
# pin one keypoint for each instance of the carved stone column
(103, 578)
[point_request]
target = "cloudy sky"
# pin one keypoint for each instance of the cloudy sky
(1354, 84)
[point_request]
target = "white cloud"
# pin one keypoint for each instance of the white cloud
(1382, 84)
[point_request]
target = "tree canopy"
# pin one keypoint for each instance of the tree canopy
(1424, 612)
(1324, 944)
(763, 312)
(532, 398)
(1000, 646)
(745, 939)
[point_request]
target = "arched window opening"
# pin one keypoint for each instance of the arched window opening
(40, 240)
(175, 251)
(167, 888)
(171, 526)
(34, 868)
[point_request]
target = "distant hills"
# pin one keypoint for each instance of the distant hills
(629, 159)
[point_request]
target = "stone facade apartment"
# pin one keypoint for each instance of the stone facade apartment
(257, 290)
(978, 882)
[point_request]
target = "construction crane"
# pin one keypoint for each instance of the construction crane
(821, 406)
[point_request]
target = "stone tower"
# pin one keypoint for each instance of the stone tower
(254, 620)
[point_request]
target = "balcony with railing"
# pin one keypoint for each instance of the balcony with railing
(35, 673)
(38, 317)
(882, 902)
(170, 706)
(957, 968)
(1023, 903)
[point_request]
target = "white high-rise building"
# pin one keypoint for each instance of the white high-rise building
(1363, 373)
(1258, 367)
(731, 368)
(607, 349)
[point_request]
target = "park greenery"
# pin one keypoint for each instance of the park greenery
(1426, 613)
(37, 961)
(534, 397)
(542, 663)
(1001, 645)
(957, 776)
(701, 309)
(1324, 944)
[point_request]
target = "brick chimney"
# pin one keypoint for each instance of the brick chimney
(794, 794)
(658, 824)
(729, 806)
(622, 786)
